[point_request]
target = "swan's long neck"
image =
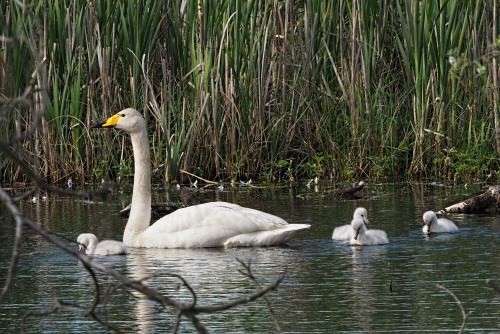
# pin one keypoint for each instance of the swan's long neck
(140, 210)
(92, 243)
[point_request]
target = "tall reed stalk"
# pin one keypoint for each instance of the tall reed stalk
(252, 88)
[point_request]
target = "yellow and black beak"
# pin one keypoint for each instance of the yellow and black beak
(110, 122)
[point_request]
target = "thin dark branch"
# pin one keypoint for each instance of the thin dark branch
(190, 310)
(177, 322)
(15, 246)
(25, 195)
(40, 183)
(41, 314)
(134, 284)
(254, 296)
(248, 272)
(190, 289)
(97, 292)
(465, 315)
(197, 324)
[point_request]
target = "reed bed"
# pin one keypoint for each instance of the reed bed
(273, 90)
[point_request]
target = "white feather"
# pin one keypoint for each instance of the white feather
(365, 237)
(435, 225)
(92, 246)
(345, 232)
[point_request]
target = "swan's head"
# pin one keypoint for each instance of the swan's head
(429, 218)
(129, 120)
(84, 240)
(358, 226)
(361, 213)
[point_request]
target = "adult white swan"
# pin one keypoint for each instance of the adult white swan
(92, 246)
(364, 237)
(214, 224)
(345, 232)
(435, 225)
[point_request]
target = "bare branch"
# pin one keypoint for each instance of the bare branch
(186, 284)
(254, 296)
(190, 310)
(17, 239)
(40, 183)
(465, 315)
(248, 273)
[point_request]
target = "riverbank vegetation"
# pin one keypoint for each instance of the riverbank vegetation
(273, 90)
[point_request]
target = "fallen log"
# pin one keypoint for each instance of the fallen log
(347, 193)
(489, 200)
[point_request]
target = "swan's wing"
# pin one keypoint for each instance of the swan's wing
(371, 238)
(224, 215)
(110, 247)
(265, 221)
(208, 225)
(379, 233)
(378, 237)
(344, 232)
(446, 226)
(266, 238)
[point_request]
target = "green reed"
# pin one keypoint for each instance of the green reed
(241, 89)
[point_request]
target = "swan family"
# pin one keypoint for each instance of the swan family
(213, 224)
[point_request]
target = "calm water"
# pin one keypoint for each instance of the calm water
(330, 287)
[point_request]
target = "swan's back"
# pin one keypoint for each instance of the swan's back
(110, 247)
(217, 224)
(343, 232)
(442, 225)
(371, 238)
(446, 226)
(92, 246)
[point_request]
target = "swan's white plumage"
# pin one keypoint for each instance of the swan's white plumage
(365, 237)
(215, 224)
(345, 232)
(92, 246)
(435, 225)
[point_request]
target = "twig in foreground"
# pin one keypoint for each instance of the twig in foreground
(465, 315)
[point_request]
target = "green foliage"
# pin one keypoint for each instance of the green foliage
(249, 89)
(124, 169)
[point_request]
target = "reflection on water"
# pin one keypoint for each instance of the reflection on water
(329, 285)
(212, 273)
